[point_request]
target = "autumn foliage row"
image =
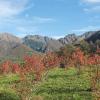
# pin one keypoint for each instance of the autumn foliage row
(37, 64)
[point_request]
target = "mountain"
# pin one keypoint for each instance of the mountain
(9, 38)
(68, 39)
(93, 37)
(90, 36)
(42, 44)
(12, 46)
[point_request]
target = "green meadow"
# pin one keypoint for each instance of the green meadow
(58, 84)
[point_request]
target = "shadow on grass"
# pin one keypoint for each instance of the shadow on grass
(9, 96)
(66, 94)
(60, 90)
(60, 76)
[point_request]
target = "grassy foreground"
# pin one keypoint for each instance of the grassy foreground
(60, 84)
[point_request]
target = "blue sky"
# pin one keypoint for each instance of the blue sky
(54, 18)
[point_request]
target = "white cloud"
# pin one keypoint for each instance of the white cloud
(11, 18)
(92, 9)
(27, 21)
(88, 28)
(9, 8)
(24, 25)
(91, 6)
(32, 25)
(43, 19)
(26, 30)
(91, 1)
(58, 37)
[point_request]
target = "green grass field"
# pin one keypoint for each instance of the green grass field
(60, 84)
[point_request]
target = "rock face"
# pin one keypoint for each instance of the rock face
(90, 36)
(41, 44)
(87, 35)
(68, 39)
(93, 37)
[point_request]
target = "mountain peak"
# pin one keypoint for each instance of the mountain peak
(68, 39)
(9, 38)
(41, 43)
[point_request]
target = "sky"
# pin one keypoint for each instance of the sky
(54, 18)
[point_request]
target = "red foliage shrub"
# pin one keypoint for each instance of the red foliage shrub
(15, 68)
(6, 66)
(9, 66)
(50, 60)
(78, 57)
(93, 60)
(33, 64)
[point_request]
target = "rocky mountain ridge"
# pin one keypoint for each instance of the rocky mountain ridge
(12, 45)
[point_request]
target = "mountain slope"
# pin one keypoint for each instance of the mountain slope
(41, 44)
(94, 37)
(9, 45)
